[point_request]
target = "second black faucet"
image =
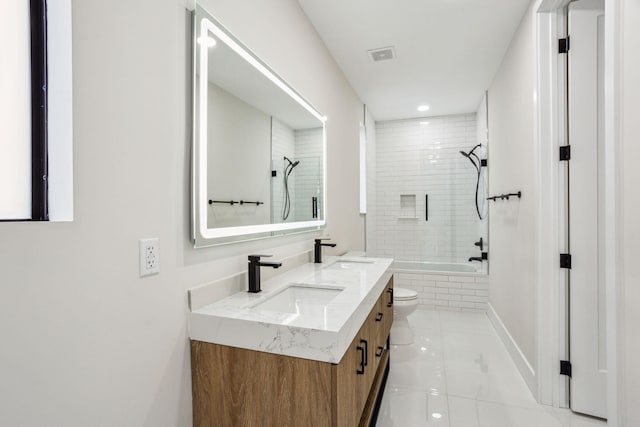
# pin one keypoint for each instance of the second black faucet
(317, 249)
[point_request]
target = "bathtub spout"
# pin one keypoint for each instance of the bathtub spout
(475, 258)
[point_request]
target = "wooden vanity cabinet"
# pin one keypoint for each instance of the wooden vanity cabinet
(353, 391)
(387, 306)
(238, 387)
(380, 325)
(350, 385)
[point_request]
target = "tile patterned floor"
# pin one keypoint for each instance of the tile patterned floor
(457, 373)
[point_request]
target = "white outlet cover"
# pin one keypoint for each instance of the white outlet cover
(149, 255)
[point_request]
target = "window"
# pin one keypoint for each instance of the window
(35, 111)
(23, 105)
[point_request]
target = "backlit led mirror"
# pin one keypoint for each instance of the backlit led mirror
(259, 146)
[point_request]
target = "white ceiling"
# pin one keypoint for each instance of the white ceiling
(447, 50)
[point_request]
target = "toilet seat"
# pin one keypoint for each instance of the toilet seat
(402, 294)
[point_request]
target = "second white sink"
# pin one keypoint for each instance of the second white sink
(300, 299)
(349, 265)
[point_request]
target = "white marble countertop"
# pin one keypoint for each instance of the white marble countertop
(323, 336)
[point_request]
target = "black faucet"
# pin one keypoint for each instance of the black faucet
(317, 249)
(484, 257)
(254, 271)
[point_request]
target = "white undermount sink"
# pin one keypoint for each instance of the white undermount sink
(349, 265)
(300, 299)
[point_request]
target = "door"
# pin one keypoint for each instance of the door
(587, 328)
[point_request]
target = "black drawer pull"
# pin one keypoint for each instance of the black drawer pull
(379, 317)
(390, 303)
(366, 351)
(360, 370)
(380, 351)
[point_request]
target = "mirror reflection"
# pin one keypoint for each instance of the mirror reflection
(296, 159)
(259, 146)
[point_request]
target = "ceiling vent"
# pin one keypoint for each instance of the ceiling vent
(382, 54)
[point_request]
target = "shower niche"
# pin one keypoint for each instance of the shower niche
(408, 206)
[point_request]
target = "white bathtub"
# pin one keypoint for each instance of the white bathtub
(444, 286)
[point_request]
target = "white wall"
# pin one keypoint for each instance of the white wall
(85, 341)
(631, 208)
(239, 164)
(512, 168)
(417, 157)
(482, 132)
(372, 183)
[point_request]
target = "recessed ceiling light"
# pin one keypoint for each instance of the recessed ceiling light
(208, 41)
(436, 415)
(423, 108)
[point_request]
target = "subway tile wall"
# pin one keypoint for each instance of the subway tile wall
(304, 145)
(308, 184)
(419, 157)
(283, 143)
(445, 291)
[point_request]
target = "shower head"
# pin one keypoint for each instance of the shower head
(468, 156)
(471, 152)
(475, 148)
(289, 168)
(292, 165)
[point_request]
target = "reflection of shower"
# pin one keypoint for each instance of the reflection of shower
(287, 198)
(477, 163)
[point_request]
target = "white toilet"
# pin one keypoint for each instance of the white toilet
(405, 302)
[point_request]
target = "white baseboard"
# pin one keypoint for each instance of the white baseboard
(523, 365)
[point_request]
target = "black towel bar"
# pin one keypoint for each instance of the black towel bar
(505, 196)
(233, 202)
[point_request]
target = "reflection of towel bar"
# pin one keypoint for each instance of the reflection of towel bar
(233, 202)
(505, 196)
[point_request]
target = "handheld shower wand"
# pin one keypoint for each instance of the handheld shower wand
(287, 198)
(478, 165)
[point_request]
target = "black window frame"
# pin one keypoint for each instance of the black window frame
(39, 107)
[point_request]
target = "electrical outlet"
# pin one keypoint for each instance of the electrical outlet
(149, 256)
